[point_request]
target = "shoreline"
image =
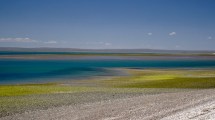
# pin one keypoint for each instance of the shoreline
(142, 92)
(105, 57)
(143, 107)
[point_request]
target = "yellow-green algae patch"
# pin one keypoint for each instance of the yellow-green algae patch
(173, 83)
(16, 90)
(164, 78)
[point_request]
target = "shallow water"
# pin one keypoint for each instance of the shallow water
(25, 71)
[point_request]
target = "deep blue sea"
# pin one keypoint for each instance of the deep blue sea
(28, 71)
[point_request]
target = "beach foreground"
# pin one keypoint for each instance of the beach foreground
(191, 104)
(141, 94)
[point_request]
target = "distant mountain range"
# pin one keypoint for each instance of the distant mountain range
(44, 49)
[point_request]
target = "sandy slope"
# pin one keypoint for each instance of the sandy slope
(166, 105)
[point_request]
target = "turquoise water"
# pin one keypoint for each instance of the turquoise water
(24, 71)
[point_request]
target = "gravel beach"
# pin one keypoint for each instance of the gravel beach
(166, 106)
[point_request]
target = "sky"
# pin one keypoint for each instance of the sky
(108, 24)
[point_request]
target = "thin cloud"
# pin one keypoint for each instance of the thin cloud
(108, 44)
(50, 42)
(209, 37)
(22, 40)
(99, 43)
(172, 33)
(149, 34)
(177, 46)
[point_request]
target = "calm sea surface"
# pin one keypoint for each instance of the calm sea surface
(25, 71)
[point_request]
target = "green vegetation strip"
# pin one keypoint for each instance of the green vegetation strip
(174, 83)
(164, 79)
(155, 78)
(17, 90)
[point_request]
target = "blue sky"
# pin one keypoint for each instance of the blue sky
(99, 24)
